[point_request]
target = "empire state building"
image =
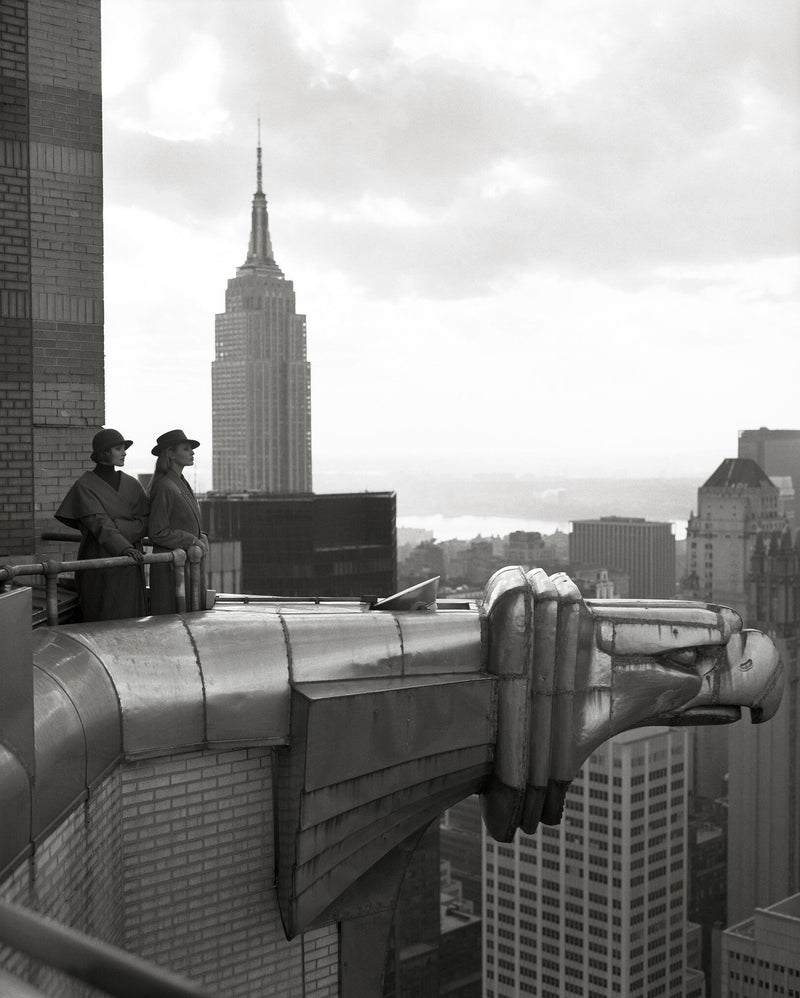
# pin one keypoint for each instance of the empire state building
(260, 378)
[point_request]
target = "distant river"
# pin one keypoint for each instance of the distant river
(446, 528)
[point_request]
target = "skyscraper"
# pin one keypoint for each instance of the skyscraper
(736, 503)
(597, 906)
(763, 788)
(778, 453)
(643, 549)
(761, 955)
(260, 378)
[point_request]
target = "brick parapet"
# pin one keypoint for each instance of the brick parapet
(173, 859)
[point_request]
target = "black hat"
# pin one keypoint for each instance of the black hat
(104, 440)
(171, 439)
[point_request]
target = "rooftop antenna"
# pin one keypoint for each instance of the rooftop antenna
(258, 156)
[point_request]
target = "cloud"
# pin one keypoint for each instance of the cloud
(563, 210)
(648, 161)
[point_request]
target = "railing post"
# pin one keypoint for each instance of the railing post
(178, 562)
(50, 572)
(196, 596)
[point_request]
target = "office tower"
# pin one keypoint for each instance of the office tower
(597, 906)
(460, 837)
(778, 453)
(642, 549)
(260, 378)
(761, 955)
(51, 239)
(337, 544)
(764, 783)
(412, 964)
(733, 506)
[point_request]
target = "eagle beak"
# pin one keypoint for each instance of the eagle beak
(746, 672)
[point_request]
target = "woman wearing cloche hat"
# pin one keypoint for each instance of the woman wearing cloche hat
(110, 510)
(174, 515)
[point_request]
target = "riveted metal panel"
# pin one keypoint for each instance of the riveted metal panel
(242, 653)
(153, 665)
(343, 646)
(15, 793)
(395, 720)
(60, 751)
(439, 641)
(81, 674)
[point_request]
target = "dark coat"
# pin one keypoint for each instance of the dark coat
(174, 523)
(110, 521)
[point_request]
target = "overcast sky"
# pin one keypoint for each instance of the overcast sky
(532, 236)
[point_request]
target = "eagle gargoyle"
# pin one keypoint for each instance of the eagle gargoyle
(422, 703)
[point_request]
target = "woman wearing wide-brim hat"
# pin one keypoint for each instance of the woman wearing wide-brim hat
(174, 517)
(110, 510)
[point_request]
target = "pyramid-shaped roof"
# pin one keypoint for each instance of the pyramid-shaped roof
(738, 471)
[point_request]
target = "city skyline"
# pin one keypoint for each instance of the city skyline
(557, 239)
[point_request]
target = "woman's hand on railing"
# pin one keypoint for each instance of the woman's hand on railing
(134, 554)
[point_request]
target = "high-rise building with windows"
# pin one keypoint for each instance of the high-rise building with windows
(733, 506)
(642, 549)
(597, 905)
(761, 955)
(764, 781)
(260, 378)
(778, 453)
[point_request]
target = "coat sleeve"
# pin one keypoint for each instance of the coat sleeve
(162, 533)
(107, 533)
(83, 509)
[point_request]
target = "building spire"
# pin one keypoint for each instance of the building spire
(258, 160)
(259, 252)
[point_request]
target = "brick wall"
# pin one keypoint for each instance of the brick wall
(173, 859)
(16, 346)
(51, 259)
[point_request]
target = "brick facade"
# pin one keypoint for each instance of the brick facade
(173, 859)
(51, 252)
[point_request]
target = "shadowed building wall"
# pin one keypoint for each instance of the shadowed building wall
(764, 783)
(338, 544)
(51, 247)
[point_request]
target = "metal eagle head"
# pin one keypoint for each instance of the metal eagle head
(575, 672)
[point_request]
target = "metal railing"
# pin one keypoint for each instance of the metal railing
(51, 570)
(99, 964)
